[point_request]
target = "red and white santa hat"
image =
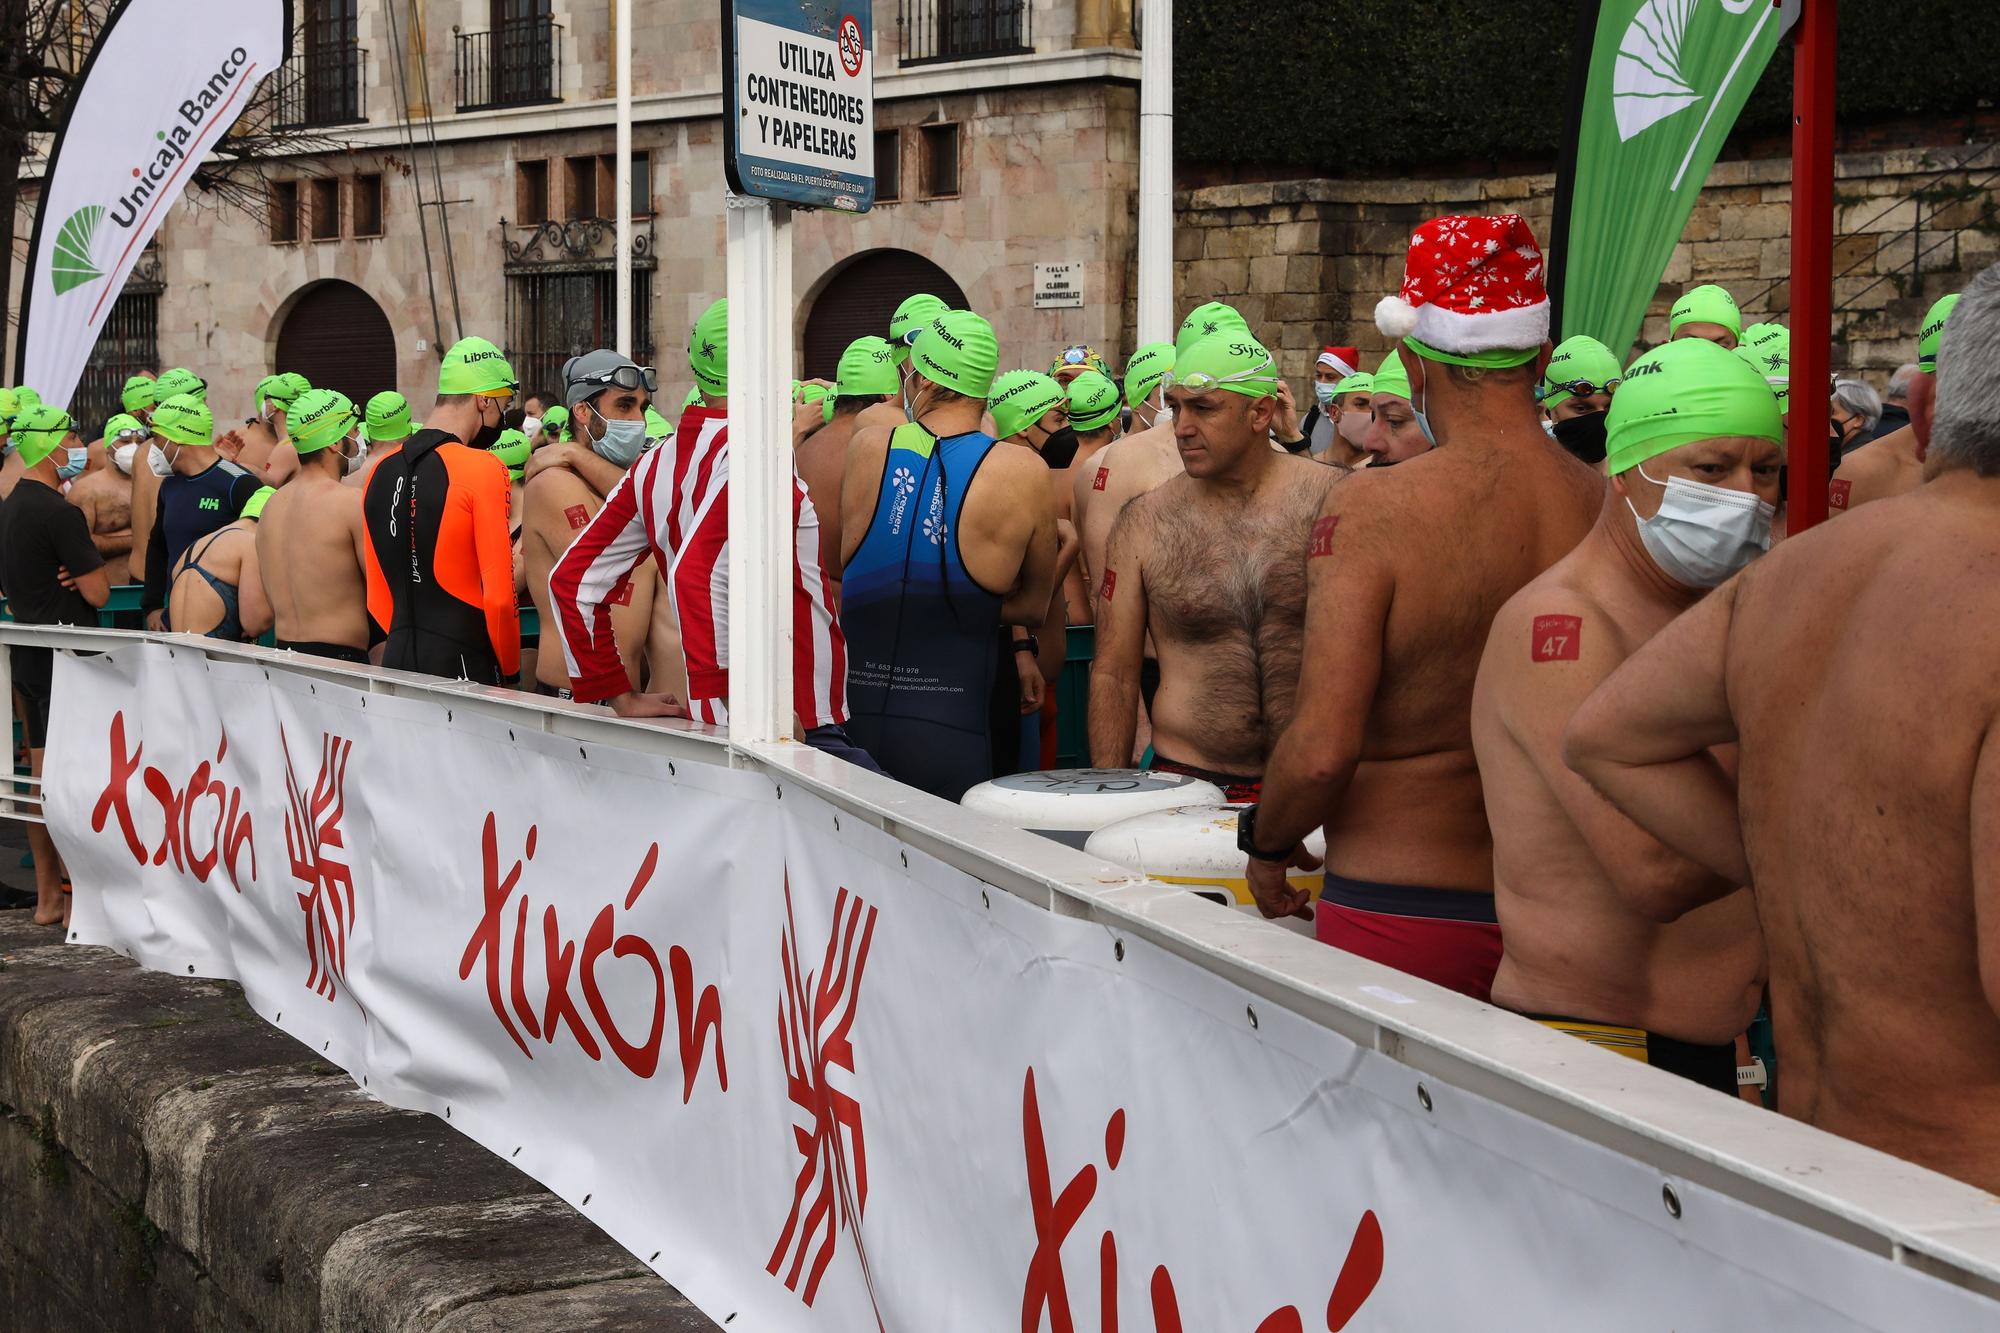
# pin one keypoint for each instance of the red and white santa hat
(1471, 285)
(1344, 360)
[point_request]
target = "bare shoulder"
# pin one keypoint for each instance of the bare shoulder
(553, 498)
(1869, 463)
(1303, 476)
(1555, 618)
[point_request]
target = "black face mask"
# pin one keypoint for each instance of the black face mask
(1059, 450)
(486, 436)
(1583, 437)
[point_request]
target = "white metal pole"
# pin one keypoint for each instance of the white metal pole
(622, 177)
(1156, 172)
(760, 470)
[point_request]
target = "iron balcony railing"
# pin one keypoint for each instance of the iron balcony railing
(517, 63)
(931, 31)
(322, 84)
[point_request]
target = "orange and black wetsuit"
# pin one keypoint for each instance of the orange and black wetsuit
(440, 566)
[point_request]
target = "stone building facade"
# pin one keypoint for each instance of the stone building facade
(1306, 260)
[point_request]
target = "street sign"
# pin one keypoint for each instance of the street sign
(799, 86)
(1059, 286)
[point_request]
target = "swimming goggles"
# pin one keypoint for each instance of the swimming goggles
(623, 377)
(1581, 388)
(1201, 381)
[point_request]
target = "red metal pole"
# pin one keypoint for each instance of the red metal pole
(1812, 263)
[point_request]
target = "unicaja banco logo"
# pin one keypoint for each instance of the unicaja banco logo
(73, 266)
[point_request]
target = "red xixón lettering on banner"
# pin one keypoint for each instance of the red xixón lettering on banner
(815, 1026)
(1056, 1214)
(229, 836)
(696, 1019)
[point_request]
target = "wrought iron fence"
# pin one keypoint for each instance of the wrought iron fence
(932, 31)
(561, 295)
(323, 83)
(516, 63)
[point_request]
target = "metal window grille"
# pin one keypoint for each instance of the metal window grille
(930, 31)
(516, 63)
(325, 82)
(555, 315)
(128, 343)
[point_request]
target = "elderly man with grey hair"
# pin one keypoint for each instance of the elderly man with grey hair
(1856, 407)
(1852, 667)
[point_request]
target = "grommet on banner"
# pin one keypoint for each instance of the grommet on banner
(670, 769)
(1118, 950)
(447, 1113)
(325, 1045)
(906, 860)
(515, 1153)
(280, 1018)
(510, 733)
(985, 901)
(1423, 1096)
(656, 1254)
(586, 1199)
(1671, 1200)
(836, 823)
(190, 969)
(580, 754)
(1252, 1011)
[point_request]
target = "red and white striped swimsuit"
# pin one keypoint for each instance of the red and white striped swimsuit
(674, 505)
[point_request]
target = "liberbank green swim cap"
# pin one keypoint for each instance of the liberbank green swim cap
(1933, 333)
(957, 351)
(178, 381)
(1233, 362)
(1020, 399)
(909, 319)
(1143, 373)
(1706, 304)
(184, 419)
(512, 448)
(1359, 382)
(39, 431)
(1093, 401)
(253, 508)
(1685, 391)
(120, 424)
(318, 418)
(138, 394)
(1391, 378)
(389, 416)
(708, 350)
(1766, 335)
(1578, 358)
(868, 369)
(474, 365)
(1205, 321)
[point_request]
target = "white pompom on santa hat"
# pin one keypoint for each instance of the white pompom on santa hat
(1470, 285)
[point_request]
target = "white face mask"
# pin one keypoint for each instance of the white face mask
(157, 460)
(1702, 533)
(353, 453)
(531, 426)
(123, 456)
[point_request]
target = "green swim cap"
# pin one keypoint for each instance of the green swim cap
(1205, 321)
(121, 423)
(389, 416)
(1779, 377)
(909, 320)
(138, 394)
(1143, 373)
(1933, 332)
(1359, 382)
(657, 426)
(184, 419)
(1391, 379)
(9, 405)
(803, 393)
(474, 365)
(708, 350)
(1232, 361)
(178, 382)
(1093, 402)
(555, 423)
(1685, 391)
(1764, 335)
(957, 351)
(692, 400)
(318, 418)
(868, 369)
(1020, 399)
(266, 387)
(1578, 358)
(512, 448)
(26, 397)
(39, 431)
(1706, 304)
(253, 508)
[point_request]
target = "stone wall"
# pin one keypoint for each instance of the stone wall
(1306, 261)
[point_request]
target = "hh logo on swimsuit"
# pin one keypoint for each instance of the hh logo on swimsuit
(210, 502)
(1322, 538)
(1556, 639)
(1837, 492)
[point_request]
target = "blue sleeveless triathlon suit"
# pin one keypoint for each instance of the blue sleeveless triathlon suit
(920, 631)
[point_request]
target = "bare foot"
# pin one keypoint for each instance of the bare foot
(59, 918)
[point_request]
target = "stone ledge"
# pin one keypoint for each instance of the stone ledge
(172, 1161)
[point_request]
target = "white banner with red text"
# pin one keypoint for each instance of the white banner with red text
(820, 1080)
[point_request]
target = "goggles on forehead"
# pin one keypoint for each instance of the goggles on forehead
(1581, 388)
(1075, 356)
(1201, 381)
(622, 377)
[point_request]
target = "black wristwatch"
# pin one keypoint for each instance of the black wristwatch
(1246, 838)
(1030, 645)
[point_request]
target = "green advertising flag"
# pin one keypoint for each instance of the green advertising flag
(1667, 79)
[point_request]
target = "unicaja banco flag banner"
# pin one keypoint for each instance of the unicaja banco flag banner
(1667, 79)
(164, 82)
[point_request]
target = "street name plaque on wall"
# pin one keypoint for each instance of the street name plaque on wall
(1058, 286)
(799, 83)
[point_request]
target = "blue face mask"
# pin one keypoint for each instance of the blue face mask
(78, 459)
(621, 443)
(1324, 392)
(1423, 421)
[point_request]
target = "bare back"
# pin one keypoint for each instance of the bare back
(1860, 673)
(1441, 542)
(558, 504)
(1103, 484)
(1225, 599)
(229, 556)
(819, 461)
(309, 545)
(105, 497)
(1886, 467)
